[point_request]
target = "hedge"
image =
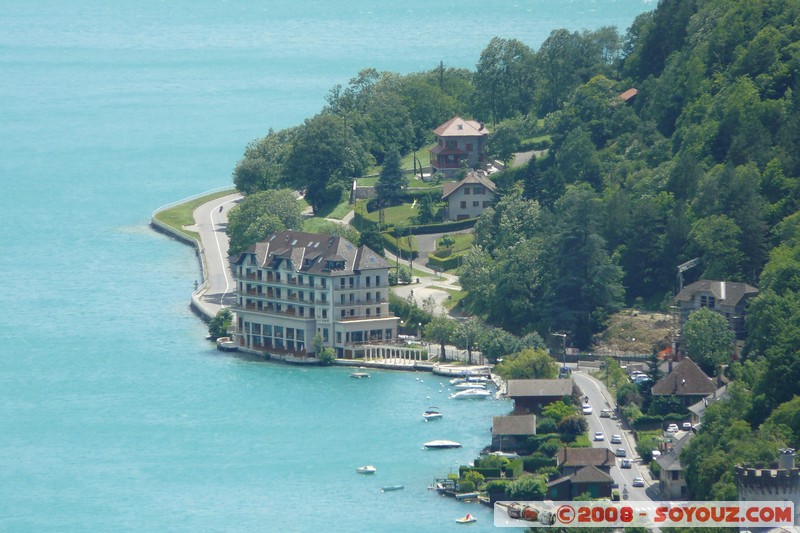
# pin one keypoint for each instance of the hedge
(515, 468)
(448, 263)
(534, 462)
(485, 472)
(391, 244)
(645, 422)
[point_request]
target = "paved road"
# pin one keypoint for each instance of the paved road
(210, 223)
(599, 399)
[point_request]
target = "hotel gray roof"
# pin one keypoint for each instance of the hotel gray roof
(314, 253)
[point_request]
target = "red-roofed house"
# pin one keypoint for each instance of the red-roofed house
(458, 141)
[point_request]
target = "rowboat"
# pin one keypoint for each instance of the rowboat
(390, 488)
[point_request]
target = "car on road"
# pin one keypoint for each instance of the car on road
(605, 413)
(625, 463)
(620, 452)
(638, 482)
(672, 428)
(616, 439)
(599, 436)
(586, 409)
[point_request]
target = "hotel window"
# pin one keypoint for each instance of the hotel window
(301, 334)
(341, 282)
(338, 337)
(377, 281)
(480, 190)
(466, 190)
(463, 204)
(377, 296)
(278, 332)
(324, 313)
(367, 312)
(476, 203)
(377, 311)
(325, 335)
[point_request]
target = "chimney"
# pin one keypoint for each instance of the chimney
(786, 459)
(722, 291)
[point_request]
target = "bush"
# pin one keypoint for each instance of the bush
(327, 357)
(218, 327)
(546, 425)
(466, 486)
(497, 486)
(492, 461)
(550, 448)
(645, 422)
(573, 425)
(515, 468)
(534, 462)
(474, 476)
(484, 472)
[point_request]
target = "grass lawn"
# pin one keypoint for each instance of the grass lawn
(399, 214)
(335, 210)
(181, 215)
(463, 241)
(454, 298)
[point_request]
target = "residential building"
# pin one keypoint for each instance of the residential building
(458, 142)
(295, 285)
(725, 297)
(468, 197)
(687, 382)
(570, 460)
(586, 480)
(671, 475)
(510, 433)
(530, 395)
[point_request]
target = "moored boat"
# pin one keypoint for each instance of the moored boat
(469, 385)
(470, 394)
(368, 469)
(432, 413)
(390, 488)
(442, 444)
(359, 375)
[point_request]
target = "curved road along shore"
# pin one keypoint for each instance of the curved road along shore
(218, 291)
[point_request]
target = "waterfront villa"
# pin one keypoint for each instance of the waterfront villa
(458, 142)
(294, 285)
(468, 197)
(530, 395)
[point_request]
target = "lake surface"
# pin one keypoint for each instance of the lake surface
(115, 413)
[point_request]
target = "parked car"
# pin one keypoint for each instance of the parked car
(638, 482)
(625, 463)
(616, 439)
(687, 426)
(620, 452)
(672, 428)
(605, 413)
(599, 436)
(586, 409)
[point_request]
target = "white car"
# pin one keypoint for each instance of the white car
(638, 482)
(672, 428)
(616, 439)
(687, 426)
(599, 436)
(586, 409)
(620, 452)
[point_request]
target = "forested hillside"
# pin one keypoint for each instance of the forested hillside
(703, 162)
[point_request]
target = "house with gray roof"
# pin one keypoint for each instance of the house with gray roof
(510, 433)
(671, 476)
(468, 197)
(530, 395)
(586, 480)
(687, 382)
(294, 285)
(725, 297)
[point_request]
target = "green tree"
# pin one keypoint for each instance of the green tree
(261, 168)
(507, 138)
(372, 240)
(504, 79)
(469, 334)
(442, 330)
(715, 239)
(392, 181)
(709, 339)
(585, 284)
(327, 357)
(325, 155)
(218, 327)
(261, 214)
(530, 488)
(558, 411)
(527, 364)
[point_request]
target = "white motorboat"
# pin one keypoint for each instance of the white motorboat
(369, 469)
(470, 394)
(359, 375)
(470, 379)
(469, 385)
(442, 444)
(432, 413)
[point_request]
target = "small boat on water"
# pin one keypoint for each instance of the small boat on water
(467, 495)
(390, 488)
(359, 375)
(369, 469)
(469, 394)
(469, 385)
(466, 519)
(442, 444)
(469, 379)
(432, 413)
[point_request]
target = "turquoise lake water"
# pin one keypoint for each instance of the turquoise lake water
(115, 413)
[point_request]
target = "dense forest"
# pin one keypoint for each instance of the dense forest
(703, 162)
